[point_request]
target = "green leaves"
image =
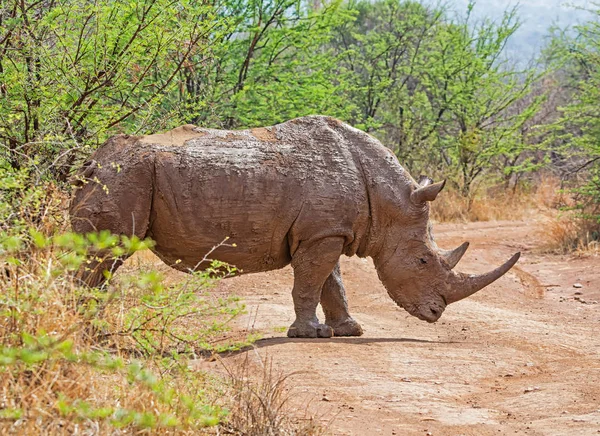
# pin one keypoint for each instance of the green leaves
(139, 333)
(76, 71)
(273, 65)
(574, 138)
(400, 69)
(435, 90)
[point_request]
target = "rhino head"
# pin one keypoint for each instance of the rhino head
(417, 274)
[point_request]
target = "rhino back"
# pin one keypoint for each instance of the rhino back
(266, 189)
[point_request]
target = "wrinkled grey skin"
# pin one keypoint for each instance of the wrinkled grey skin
(303, 192)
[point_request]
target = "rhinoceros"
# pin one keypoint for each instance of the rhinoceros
(303, 192)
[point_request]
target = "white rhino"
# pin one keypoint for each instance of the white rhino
(302, 192)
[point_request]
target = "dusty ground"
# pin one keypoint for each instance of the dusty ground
(521, 357)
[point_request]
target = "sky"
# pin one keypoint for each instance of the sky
(536, 16)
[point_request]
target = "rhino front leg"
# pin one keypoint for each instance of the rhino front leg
(313, 262)
(335, 306)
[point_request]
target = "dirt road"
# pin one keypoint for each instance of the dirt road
(521, 357)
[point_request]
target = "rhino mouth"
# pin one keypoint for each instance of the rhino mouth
(429, 313)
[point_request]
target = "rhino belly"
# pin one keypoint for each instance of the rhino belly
(197, 206)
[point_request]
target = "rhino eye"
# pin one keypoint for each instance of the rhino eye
(423, 261)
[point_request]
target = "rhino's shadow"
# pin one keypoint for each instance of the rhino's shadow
(270, 342)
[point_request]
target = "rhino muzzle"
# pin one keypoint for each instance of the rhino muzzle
(429, 304)
(430, 313)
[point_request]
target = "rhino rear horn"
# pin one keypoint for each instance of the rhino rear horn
(427, 193)
(452, 257)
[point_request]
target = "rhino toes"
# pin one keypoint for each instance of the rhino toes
(310, 331)
(324, 331)
(348, 327)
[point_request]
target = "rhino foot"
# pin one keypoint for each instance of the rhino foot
(310, 330)
(348, 327)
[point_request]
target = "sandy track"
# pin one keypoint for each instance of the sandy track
(521, 357)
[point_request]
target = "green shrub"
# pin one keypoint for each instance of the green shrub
(116, 357)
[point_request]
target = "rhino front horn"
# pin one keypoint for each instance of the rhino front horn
(467, 285)
(427, 193)
(452, 257)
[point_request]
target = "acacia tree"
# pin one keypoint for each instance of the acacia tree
(71, 72)
(575, 138)
(271, 65)
(378, 55)
(484, 99)
(435, 91)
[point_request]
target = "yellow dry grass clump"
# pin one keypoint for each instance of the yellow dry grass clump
(566, 234)
(497, 203)
(260, 402)
(561, 230)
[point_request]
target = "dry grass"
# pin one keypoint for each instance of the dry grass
(496, 203)
(68, 364)
(562, 232)
(260, 403)
(566, 234)
(452, 207)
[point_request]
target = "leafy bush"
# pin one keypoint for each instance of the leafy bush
(573, 138)
(74, 357)
(72, 72)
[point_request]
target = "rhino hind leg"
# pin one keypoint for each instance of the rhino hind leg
(123, 209)
(101, 264)
(335, 306)
(95, 272)
(313, 263)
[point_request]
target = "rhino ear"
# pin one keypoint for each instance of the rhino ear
(427, 192)
(424, 180)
